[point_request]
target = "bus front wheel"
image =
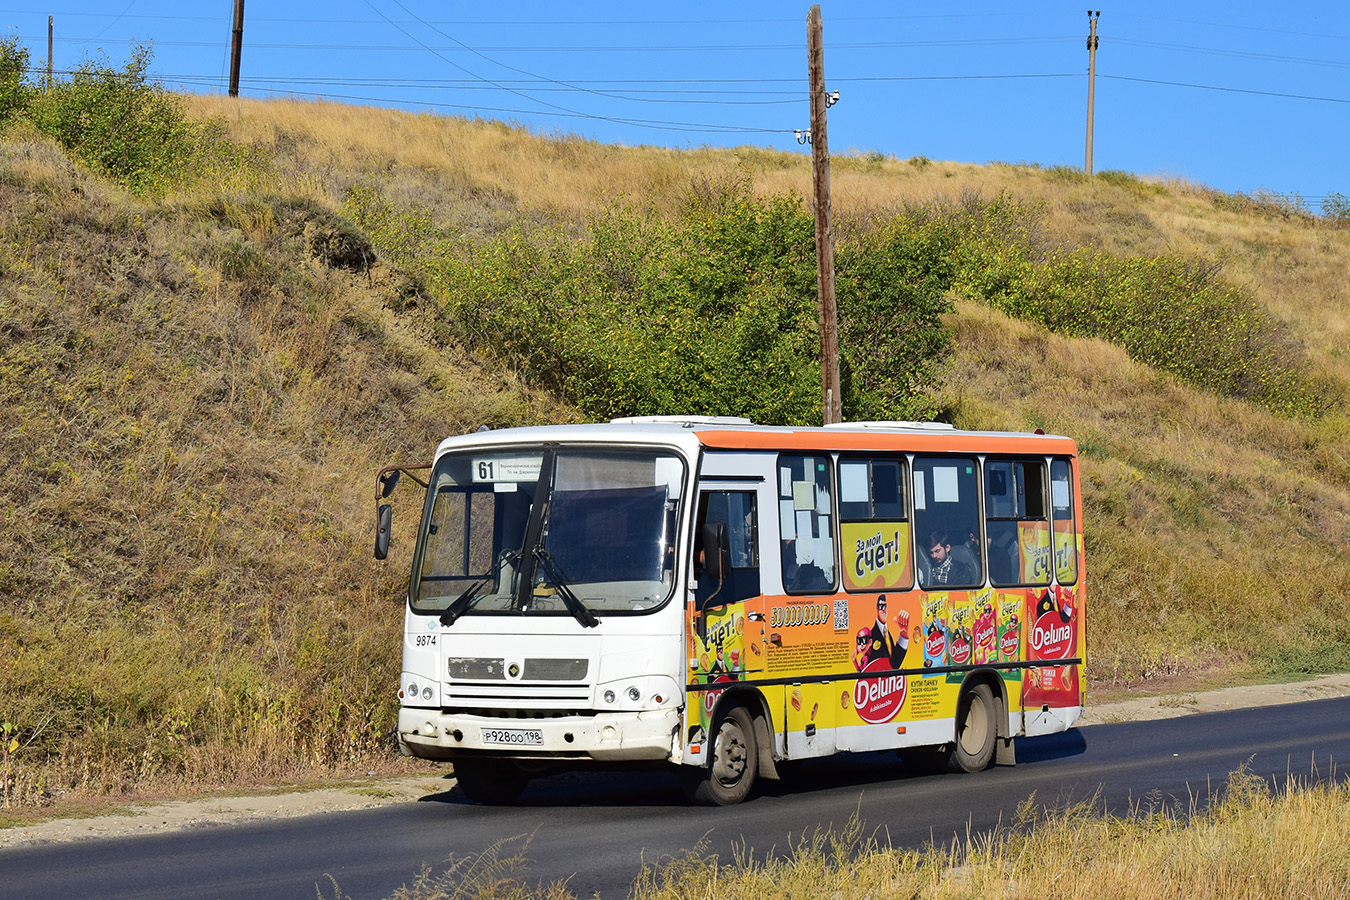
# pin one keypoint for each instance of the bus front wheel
(976, 731)
(492, 782)
(735, 758)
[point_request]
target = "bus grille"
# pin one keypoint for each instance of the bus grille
(516, 713)
(513, 694)
(485, 668)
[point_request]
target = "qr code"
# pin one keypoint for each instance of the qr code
(841, 614)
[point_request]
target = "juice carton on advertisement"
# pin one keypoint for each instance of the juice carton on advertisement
(935, 631)
(1010, 612)
(984, 628)
(960, 619)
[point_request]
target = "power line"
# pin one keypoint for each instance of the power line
(1236, 54)
(699, 127)
(549, 23)
(1315, 34)
(607, 48)
(1230, 90)
(513, 68)
(521, 94)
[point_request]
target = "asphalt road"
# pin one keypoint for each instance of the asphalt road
(596, 829)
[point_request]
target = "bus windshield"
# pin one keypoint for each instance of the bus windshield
(599, 524)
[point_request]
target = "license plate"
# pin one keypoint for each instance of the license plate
(527, 737)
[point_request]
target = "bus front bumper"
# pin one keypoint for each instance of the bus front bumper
(646, 735)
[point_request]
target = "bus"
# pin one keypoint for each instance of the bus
(724, 598)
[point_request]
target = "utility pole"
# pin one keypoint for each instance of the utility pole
(51, 24)
(1092, 78)
(820, 163)
(236, 47)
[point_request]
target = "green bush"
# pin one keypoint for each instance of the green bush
(119, 123)
(1336, 206)
(1171, 312)
(14, 89)
(713, 312)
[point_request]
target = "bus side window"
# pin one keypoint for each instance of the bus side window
(1065, 534)
(806, 524)
(1016, 527)
(946, 515)
(736, 510)
(873, 525)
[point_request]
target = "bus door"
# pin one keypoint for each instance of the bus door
(808, 639)
(726, 615)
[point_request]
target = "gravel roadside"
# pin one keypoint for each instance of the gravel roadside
(185, 814)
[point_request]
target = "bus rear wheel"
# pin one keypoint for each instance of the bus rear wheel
(976, 731)
(735, 762)
(492, 782)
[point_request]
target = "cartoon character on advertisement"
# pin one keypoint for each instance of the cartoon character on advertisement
(877, 700)
(881, 646)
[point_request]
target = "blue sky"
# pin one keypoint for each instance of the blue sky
(1241, 95)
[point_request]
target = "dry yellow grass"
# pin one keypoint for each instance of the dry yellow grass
(1252, 844)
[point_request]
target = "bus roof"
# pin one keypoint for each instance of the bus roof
(735, 433)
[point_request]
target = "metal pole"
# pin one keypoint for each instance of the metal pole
(236, 47)
(1092, 78)
(820, 159)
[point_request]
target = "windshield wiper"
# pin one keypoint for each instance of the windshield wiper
(461, 604)
(570, 600)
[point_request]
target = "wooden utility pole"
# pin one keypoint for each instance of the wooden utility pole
(236, 47)
(820, 162)
(1092, 78)
(51, 24)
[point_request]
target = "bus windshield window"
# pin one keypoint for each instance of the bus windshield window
(608, 530)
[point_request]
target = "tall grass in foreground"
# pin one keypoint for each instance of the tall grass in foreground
(1251, 842)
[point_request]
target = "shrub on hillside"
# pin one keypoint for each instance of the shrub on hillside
(122, 124)
(892, 286)
(118, 122)
(14, 90)
(1171, 312)
(713, 312)
(1336, 206)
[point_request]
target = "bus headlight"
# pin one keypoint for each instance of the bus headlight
(426, 692)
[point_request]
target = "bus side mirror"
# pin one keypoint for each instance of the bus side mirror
(384, 519)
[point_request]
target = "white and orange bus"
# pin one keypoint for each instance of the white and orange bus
(724, 597)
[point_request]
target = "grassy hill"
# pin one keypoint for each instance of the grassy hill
(198, 382)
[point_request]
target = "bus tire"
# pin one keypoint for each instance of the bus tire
(735, 762)
(492, 782)
(976, 731)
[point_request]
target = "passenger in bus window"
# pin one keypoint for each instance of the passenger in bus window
(1003, 553)
(944, 568)
(968, 551)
